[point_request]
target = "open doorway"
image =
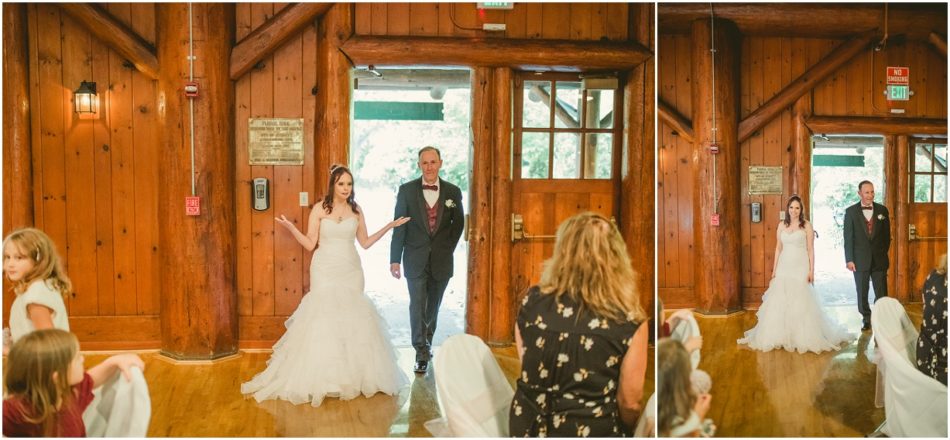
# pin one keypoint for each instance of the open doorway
(395, 113)
(839, 163)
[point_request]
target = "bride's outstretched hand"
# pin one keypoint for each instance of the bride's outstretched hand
(811, 278)
(398, 222)
(285, 223)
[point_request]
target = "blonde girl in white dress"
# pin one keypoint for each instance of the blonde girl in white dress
(31, 263)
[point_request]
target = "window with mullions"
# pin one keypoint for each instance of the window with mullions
(929, 172)
(564, 131)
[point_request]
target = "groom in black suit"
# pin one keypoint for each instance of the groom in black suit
(867, 238)
(426, 245)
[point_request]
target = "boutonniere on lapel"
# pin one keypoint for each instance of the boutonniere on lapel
(449, 203)
(880, 217)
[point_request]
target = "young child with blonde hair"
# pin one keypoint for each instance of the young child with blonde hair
(31, 263)
(48, 388)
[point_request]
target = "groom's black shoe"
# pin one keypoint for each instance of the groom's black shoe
(866, 327)
(421, 366)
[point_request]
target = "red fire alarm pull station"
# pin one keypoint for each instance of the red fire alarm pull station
(714, 220)
(192, 205)
(898, 88)
(191, 89)
(714, 148)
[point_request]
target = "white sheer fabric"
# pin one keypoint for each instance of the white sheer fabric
(687, 328)
(120, 408)
(915, 405)
(474, 395)
(646, 424)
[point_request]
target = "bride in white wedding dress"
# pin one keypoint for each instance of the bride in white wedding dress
(336, 343)
(791, 315)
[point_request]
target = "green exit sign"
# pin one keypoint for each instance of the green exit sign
(496, 5)
(897, 92)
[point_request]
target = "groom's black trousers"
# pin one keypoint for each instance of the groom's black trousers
(425, 296)
(863, 280)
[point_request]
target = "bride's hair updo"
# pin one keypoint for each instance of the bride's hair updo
(788, 215)
(336, 172)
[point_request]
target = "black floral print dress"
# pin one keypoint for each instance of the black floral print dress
(570, 371)
(932, 342)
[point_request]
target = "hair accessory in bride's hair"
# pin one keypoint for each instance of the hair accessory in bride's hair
(334, 167)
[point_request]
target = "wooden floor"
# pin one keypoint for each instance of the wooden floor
(783, 394)
(191, 400)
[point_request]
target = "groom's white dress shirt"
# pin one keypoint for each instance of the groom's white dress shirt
(867, 212)
(432, 197)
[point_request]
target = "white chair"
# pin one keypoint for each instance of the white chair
(474, 394)
(120, 408)
(646, 424)
(915, 404)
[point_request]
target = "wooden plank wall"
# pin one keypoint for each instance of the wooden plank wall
(95, 190)
(564, 21)
(767, 65)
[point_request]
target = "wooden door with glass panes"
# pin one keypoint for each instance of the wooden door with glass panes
(928, 209)
(566, 147)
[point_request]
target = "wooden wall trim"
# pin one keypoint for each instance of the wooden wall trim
(669, 116)
(271, 35)
(559, 55)
(116, 35)
(334, 87)
(876, 125)
(816, 20)
(900, 281)
(113, 332)
(803, 84)
(677, 297)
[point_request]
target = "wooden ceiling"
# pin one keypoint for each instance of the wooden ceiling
(816, 20)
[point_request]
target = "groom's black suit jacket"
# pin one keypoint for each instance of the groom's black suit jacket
(868, 252)
(413, 244)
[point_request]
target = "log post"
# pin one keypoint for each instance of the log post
(898, 203)
(198, 301)
(800, 166)
(637, 167)
(478, 302)
(717, 183)
(17, 157)
(334, 87)
(502, 298)
(17, 154)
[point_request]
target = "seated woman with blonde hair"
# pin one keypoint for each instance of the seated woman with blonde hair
(581, 339)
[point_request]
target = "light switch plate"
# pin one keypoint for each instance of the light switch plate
(304, 199)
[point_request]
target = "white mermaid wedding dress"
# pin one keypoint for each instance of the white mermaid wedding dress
(791, 315)
(336, 343)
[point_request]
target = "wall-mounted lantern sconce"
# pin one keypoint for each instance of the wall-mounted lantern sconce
(86, 99)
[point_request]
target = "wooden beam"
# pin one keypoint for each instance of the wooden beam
(198, 300)
(334, 87)
(716, 176)
(898, 203)
(271, 35)
(557, 55)
(680, 125)
(17, 149)
(810, 20)
(876, 125)
(939, 42)
(116, 35)
(503, 308)
(478, 300)
(803, 84)
(800, 166)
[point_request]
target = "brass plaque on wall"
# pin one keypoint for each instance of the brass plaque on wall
(765, 180)
(275, 141)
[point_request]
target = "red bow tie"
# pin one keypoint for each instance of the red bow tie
(430, 187)
(867, 207)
